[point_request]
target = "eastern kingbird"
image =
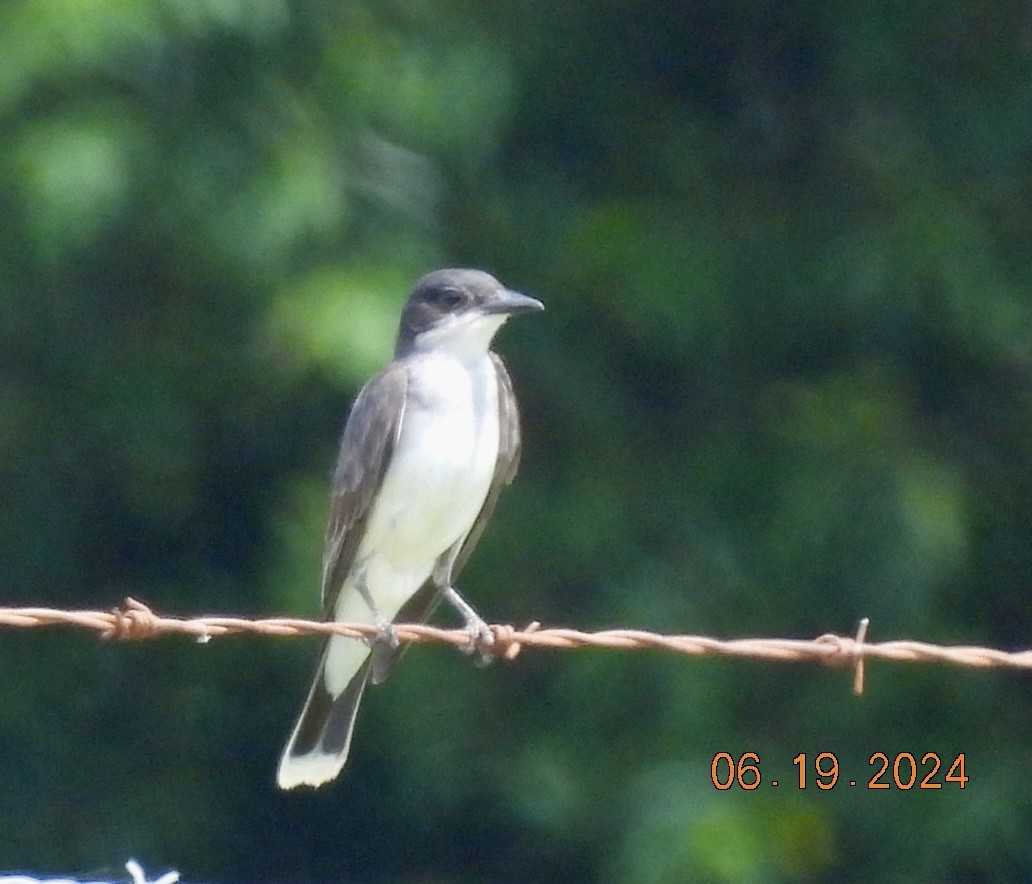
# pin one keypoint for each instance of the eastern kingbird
(430, 442)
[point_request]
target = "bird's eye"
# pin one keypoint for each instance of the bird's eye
(448, 298)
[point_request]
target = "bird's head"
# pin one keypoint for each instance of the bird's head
(458, 311)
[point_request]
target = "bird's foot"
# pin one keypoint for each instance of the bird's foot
(481, 638)
(386, 635)
(481, 642)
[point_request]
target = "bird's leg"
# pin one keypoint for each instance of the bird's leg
(480, 636)
(386, 634)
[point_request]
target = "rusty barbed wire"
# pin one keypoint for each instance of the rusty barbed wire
(135, 621)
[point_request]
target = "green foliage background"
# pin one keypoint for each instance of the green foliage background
(783, 382)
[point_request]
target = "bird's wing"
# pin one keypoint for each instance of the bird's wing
(425, 600)
(365, 450)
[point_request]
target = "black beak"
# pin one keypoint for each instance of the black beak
(510, 302)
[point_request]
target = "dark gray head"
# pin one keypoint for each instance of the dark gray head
(458, 310)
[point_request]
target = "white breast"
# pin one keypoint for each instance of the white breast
(438, 478)
(435, 485)
(443, 463)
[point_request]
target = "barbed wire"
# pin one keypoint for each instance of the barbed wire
(135, 870)
(134, 621)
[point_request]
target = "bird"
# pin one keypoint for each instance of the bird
(429, 444)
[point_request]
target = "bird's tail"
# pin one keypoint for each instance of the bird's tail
(319, 745)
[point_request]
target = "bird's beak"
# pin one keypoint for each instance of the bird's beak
(509, 302)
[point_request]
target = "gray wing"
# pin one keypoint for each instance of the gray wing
(426, 599)
(365, 450)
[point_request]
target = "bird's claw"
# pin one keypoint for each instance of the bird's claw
(481, 642)
(481, 638)
(386, 635)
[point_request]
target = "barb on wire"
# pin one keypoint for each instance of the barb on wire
(135, 621)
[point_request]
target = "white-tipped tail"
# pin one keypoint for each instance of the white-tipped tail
(318, 747)
(312, 769)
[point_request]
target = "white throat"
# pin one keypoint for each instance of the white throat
(465, 337)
